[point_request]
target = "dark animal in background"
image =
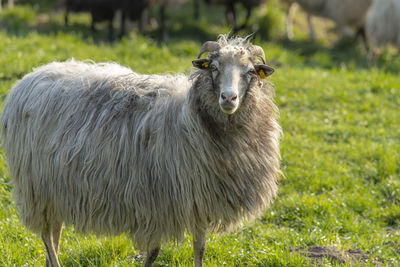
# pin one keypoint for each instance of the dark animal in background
(133, 10)
(10, 4)
(163, 5)
(100, 10)
(231, 12)
(105, 10)
(75, 6)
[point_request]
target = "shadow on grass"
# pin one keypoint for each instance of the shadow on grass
(347, 53)
(22, 20)
(98, 256)
(82, 29)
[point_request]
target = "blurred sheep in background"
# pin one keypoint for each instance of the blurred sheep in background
(376, 21)
(349, 14)
(134, 11)
(164, 4)
(231, 12)
(383, 25)
(105, 10)
(10, 4)
(291, 8)
(100, 10)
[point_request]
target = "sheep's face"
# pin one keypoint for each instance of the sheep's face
(233, 70)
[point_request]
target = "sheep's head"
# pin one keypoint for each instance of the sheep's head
(233, 68)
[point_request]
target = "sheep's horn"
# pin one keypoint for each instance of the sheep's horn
(257, 51)
(250, 37)
(209, 46)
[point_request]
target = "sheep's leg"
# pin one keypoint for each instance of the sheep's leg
(151, 257)
(361, 34)
(111, 30)
(142, 21)
(373, 57)
(123, 23)
(196, 8)
(92, 27)
(244, 25)
(290, 12)
(164, 34)
(66, 16)
(311, 27)
(56, 232)
(248, 14)
(199, 245)
(48, 240)
(231, 16)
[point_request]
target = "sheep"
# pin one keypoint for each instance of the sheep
(291, 8)
(105, 10)
(134, 11)
(100, 10)
(10, 4)
(75, 6)
(383, 25)
(164, 4)
(111, 151)
(345, 14)
(231, 10)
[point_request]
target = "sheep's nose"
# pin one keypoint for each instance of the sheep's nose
(228, 101)
(230, 98)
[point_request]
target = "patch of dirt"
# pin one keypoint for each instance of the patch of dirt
(319, 254)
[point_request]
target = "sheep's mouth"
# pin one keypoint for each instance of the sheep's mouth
(228, 108)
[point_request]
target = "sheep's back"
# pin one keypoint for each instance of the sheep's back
(70, 131)
(383, 25)
(348, 13)
(344, 13)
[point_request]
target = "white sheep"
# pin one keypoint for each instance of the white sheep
(383, 24)
(344, 13)
(110, 151)
(10, 4)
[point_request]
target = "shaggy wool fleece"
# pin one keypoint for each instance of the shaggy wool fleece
(108, 150)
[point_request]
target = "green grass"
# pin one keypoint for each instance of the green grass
(340, 149)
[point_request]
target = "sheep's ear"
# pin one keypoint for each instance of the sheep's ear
(264, 71)
(202, 63)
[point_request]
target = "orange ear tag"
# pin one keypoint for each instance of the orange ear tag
(262, 74)
(205, 65)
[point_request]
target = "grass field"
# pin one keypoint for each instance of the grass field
(340, 149)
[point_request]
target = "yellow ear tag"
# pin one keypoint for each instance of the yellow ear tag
(262, 74)
(205, 65)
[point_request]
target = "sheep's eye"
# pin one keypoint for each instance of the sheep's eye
(213, 68)
(252, 72)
